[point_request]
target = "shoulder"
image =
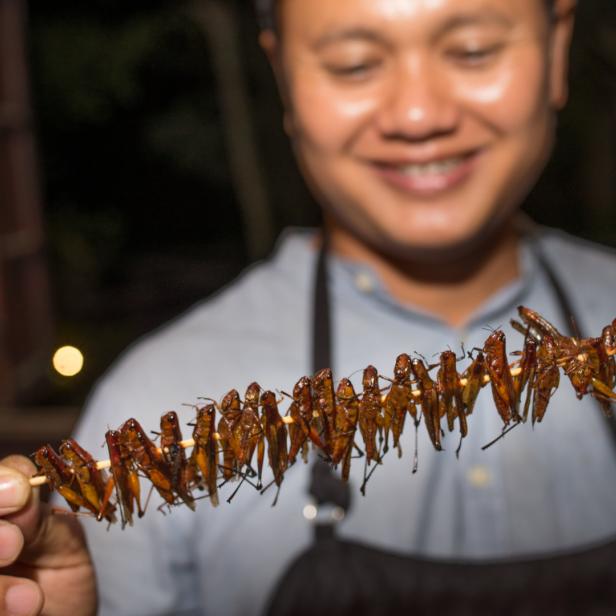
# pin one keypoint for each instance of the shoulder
(253, 305)
(579, 256)
(588, 272)
(251, 330)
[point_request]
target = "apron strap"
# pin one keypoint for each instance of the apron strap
(321, 312)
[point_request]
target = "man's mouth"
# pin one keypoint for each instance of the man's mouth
(428, 178)
(432, 168)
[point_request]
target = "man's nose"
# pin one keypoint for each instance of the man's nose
(418, 105)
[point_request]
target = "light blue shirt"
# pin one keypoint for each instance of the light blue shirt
(538, 491)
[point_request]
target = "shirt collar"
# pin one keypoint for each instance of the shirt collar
(364, 284)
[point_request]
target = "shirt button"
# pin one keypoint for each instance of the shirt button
(310, 512)
(363, 281)
(479, 476)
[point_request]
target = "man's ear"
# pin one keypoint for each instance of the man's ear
(562, 30)
(269, 43)
(271, 46)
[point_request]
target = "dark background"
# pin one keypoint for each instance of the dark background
(146, 207)
(141, 212)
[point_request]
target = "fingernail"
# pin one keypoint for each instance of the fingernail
(10, 494)
(21, 600)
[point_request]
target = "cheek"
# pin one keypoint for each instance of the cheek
(514, 99)
(328, 120)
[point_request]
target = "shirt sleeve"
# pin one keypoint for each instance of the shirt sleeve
(147, 568)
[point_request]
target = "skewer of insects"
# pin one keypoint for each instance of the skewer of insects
(230, 439)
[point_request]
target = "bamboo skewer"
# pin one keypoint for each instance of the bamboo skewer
(40, 480)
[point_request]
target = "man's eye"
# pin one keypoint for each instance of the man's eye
(476, 56)
(352, 71)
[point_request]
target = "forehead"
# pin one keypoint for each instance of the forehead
(328, 12)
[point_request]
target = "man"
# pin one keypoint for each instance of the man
(420, 126)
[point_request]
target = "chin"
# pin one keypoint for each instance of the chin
(435, 245)
(427, 234)
(428, 252)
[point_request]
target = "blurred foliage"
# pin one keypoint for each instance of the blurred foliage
(100, 63)
(128, 118)
(141, 215)
(86, 242)
(578, 190)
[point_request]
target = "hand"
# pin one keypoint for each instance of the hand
(45, 566)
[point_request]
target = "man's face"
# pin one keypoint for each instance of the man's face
(421, 124)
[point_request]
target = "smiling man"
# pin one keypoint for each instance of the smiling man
(420, 126)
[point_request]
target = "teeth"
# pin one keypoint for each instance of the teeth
(435, 168)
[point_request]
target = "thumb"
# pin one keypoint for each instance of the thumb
(50, 540)
(15, 490)
(19, 503)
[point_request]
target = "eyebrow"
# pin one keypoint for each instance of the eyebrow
(461, 20)
(349, 34)
(360, 33)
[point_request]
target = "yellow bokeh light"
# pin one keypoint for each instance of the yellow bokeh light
(68, 361)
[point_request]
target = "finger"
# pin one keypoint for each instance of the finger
(11, 543)
(19, 597)
(19, 503)
(15, 490)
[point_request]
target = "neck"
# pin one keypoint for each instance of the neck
(452, 288)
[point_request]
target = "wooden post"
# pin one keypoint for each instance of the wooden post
(25, 319)
(219, 22)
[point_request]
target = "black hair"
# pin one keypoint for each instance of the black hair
(266, 13)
